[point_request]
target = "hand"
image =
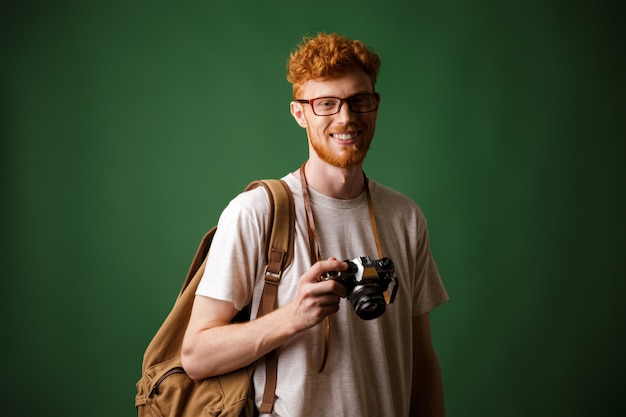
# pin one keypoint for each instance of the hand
(316, 297)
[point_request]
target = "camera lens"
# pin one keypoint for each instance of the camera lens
(368, 302)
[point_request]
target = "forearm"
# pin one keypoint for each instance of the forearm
(214, 346)
(427, 387)
(222, 349)
(427, 391)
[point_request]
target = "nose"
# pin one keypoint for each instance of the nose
(345, 113)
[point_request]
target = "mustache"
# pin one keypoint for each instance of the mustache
(347, 128)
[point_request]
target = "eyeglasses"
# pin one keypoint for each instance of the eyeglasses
(359, 103)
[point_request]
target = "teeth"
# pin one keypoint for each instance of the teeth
(344, 136)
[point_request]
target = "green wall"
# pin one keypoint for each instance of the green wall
(127, 126)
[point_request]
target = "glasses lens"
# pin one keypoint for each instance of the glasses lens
(363, 103)
(326, 105)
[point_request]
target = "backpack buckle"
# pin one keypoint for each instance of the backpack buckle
(272, 277)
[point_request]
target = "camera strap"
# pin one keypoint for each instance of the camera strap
(314, 246)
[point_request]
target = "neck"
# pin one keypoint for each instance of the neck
(340, 183)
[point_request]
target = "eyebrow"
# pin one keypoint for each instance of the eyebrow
(344, 98)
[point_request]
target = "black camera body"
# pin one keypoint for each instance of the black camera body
(366, 281)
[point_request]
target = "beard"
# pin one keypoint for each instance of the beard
(349, 156)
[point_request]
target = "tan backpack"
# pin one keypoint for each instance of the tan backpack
(164, 389)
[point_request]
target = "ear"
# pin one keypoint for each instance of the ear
(298, 113)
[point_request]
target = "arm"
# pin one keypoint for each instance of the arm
(214, 346)
(427, 387)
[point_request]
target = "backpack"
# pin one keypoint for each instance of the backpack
(164, 389)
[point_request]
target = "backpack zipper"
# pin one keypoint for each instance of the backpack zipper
(173, 371)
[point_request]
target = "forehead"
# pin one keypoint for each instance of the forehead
(343, 86)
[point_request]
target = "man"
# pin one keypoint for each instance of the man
(381, 367)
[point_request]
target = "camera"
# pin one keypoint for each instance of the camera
(366, 281)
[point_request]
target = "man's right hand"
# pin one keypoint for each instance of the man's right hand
(317, 297)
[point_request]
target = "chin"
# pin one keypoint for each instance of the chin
(347, 158)
(345, 162)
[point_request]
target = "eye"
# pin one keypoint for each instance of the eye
(361, 100)
(325, 103)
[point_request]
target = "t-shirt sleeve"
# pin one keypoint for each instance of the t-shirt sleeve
(428, 290)
(236, 256)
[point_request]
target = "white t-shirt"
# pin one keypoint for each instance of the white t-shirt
(369, 367)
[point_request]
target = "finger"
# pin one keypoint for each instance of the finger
(327, 287)
(339, 289)
(326, 299)
(322, 268)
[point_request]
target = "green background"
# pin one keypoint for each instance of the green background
(127, 126)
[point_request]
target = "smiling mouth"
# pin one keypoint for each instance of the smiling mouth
(345, 135)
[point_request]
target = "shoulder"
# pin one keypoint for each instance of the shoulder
(252, 200)
(248, 207)
(398, 210)
(393, 200)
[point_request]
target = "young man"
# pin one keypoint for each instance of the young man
(380, 367)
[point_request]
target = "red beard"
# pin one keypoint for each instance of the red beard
(349, 156)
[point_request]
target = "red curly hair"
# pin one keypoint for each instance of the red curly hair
(328, 56)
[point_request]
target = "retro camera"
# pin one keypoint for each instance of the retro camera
(366, 281)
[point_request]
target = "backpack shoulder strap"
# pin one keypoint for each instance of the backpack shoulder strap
(279, 250)
(279, 256)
